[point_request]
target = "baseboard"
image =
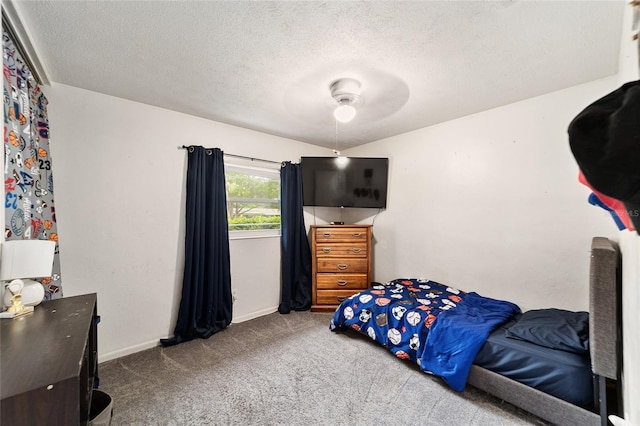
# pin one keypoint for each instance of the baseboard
(127, 351)
(153, 343)
(252, 315)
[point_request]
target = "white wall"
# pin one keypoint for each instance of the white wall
(119, 194)
(491, 203)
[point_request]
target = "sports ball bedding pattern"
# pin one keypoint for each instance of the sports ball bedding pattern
(439, 327)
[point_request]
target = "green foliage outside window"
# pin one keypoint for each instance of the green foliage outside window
(252, 202)
(243, 223)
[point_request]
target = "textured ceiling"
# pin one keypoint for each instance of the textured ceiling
(268, 65)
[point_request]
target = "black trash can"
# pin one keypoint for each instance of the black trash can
(101, 408)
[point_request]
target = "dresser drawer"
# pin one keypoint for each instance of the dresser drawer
(348, 265)
(342, 250)
(326, 235)
(334, 297)
(341, 281)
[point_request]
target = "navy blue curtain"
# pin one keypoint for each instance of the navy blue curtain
(206, 304)
(295, 251)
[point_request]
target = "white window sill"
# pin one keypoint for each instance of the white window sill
(247, 235)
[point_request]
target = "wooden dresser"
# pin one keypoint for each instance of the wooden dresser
(48, 363)
(341, 263)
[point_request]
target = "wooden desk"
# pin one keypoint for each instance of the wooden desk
(48, 361)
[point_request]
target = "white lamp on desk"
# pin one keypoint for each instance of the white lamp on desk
(21, 261)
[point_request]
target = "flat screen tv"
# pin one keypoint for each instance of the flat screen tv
(344, 181)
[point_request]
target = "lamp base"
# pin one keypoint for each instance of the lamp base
(32, 293)
(13, 292)
(23, 311)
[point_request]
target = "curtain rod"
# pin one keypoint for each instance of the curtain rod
(240, 156)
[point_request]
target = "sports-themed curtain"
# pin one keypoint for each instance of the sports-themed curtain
(28, 177)
(206, 303)
(294, 245)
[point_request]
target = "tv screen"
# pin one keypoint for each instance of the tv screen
(344, 181)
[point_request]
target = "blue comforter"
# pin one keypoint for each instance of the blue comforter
(438, 327)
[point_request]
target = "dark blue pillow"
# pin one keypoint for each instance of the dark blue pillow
(553, 328)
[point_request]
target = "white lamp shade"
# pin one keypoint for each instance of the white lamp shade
(26, 259)
(344, 113)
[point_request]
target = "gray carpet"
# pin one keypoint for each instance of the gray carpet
(289, 370)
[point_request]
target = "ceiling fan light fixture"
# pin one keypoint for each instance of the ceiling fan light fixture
(344, 113)
(346, 92)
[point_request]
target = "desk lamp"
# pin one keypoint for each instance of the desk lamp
(20, 262)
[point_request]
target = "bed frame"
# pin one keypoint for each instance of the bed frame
(604, 347)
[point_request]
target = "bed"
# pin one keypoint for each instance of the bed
(563, 374)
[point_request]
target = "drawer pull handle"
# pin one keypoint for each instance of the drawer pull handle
(356, 250)
(357, 234)
(326, 234)
(326, 249)
(341, 298)
(342, 282)
(342, 266)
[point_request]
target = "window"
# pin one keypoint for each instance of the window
(253, 201)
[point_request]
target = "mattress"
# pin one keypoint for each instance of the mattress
(563, 374)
